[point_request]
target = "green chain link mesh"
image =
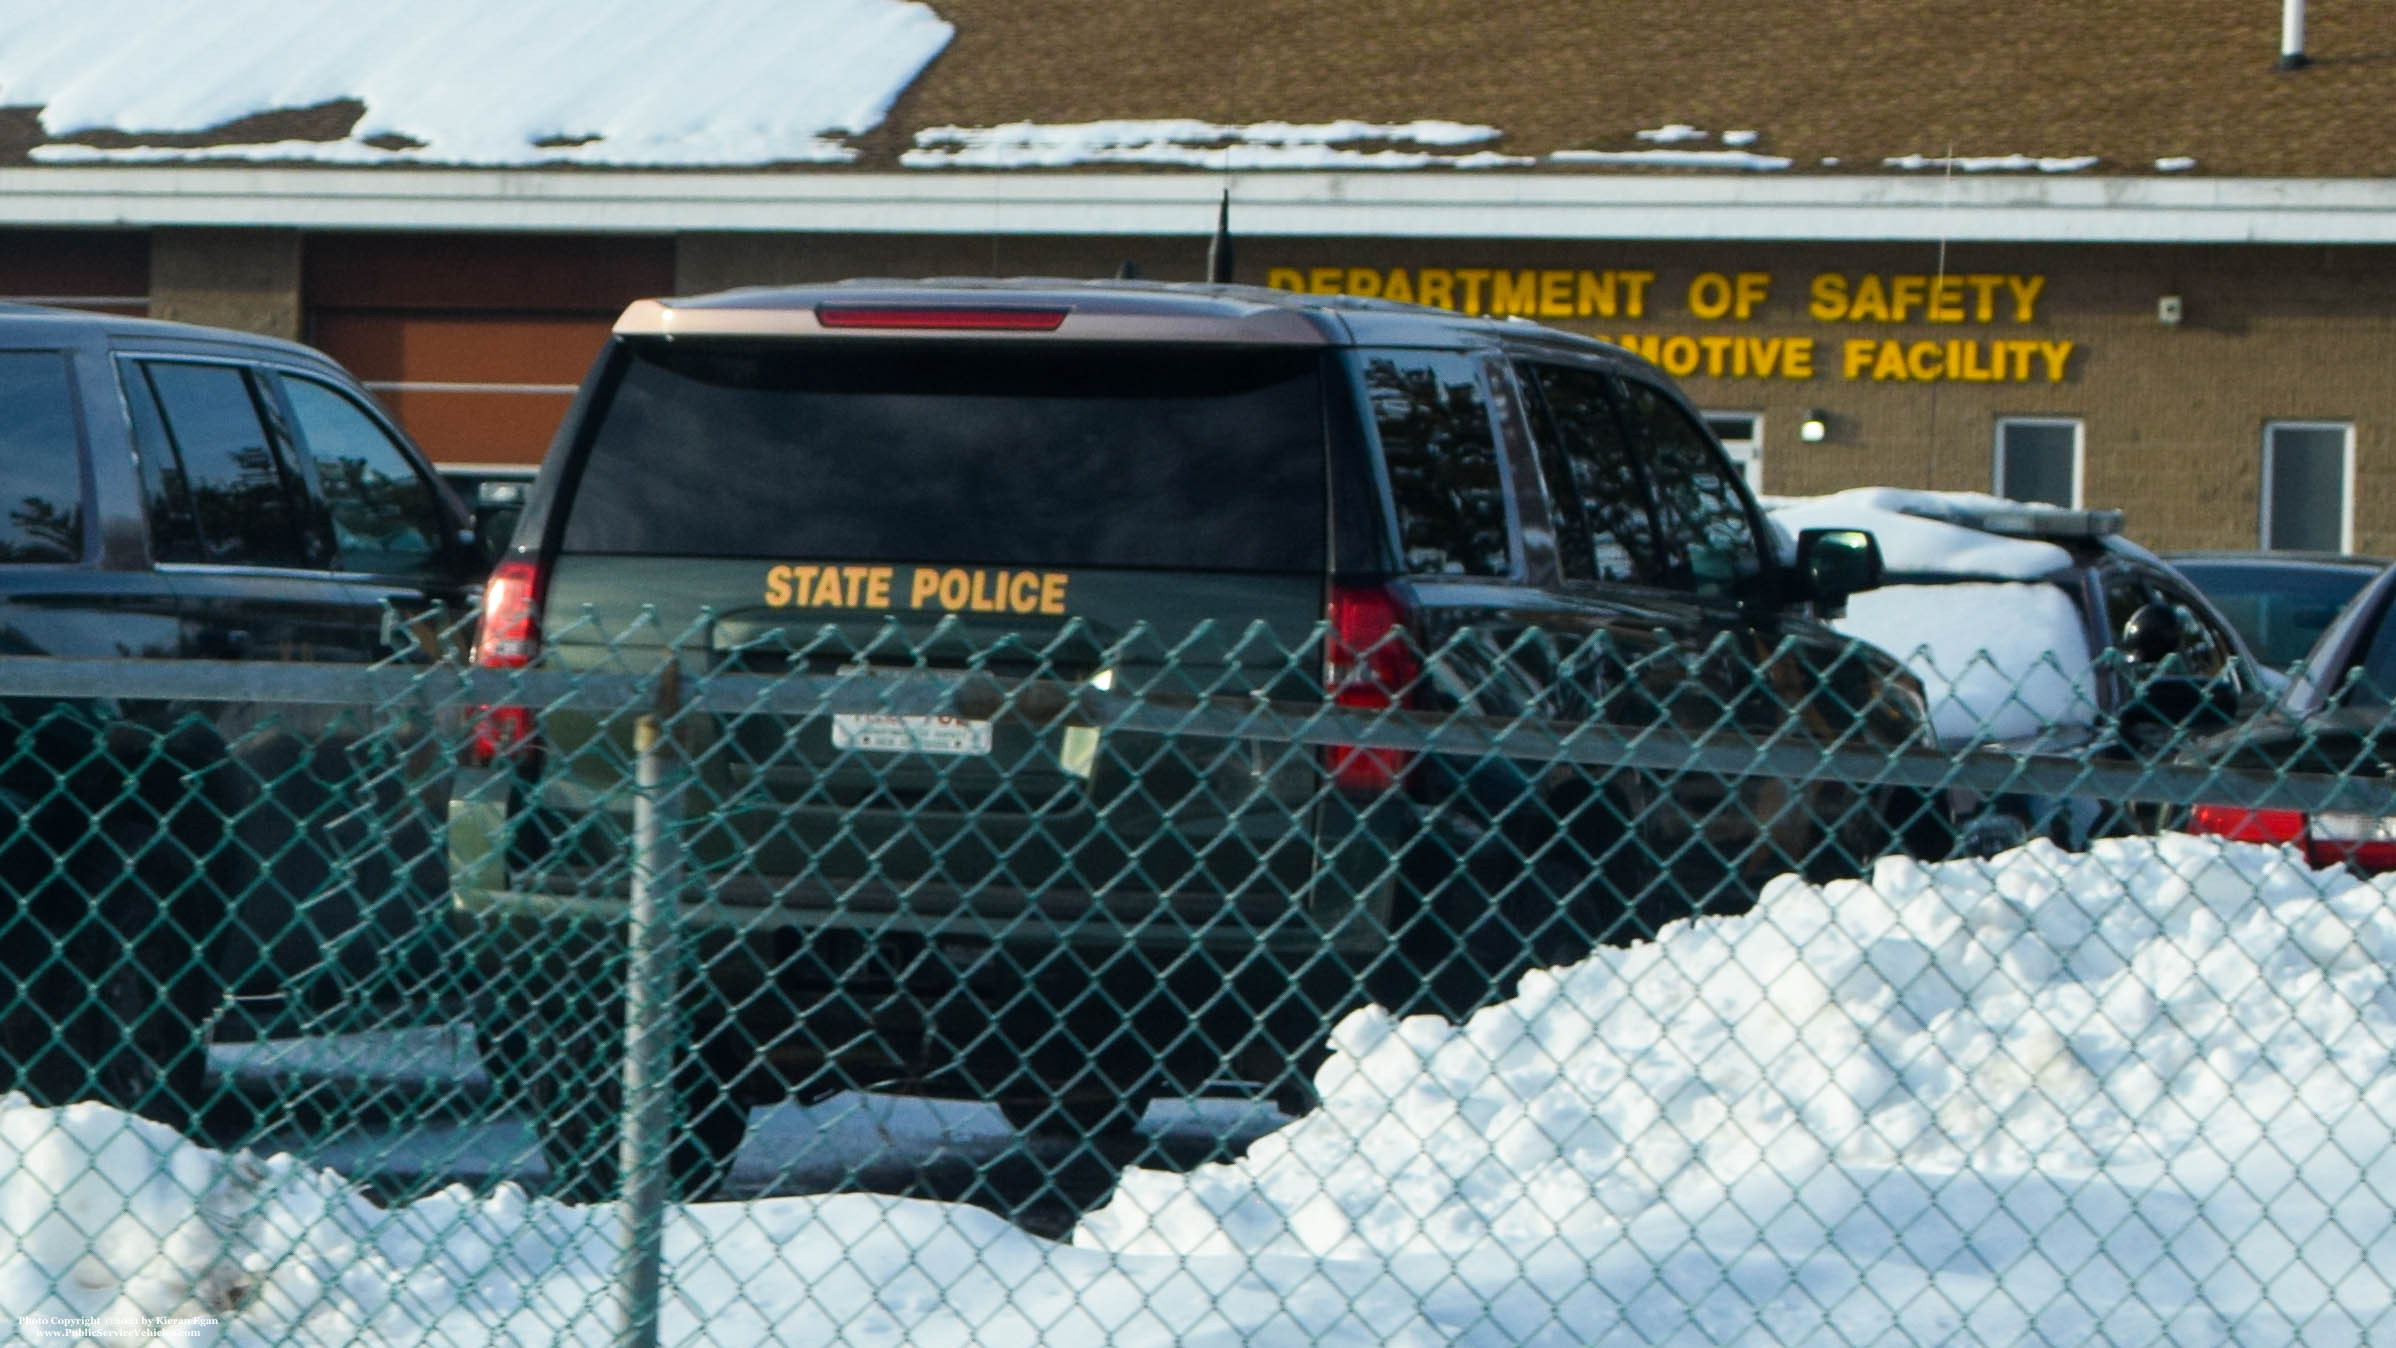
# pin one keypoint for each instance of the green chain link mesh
(1123, 988)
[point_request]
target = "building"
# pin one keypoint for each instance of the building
(2116, 259)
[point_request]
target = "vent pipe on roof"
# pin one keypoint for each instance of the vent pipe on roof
(2292, 55)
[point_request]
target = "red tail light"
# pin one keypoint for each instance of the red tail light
(510, 639)
(2366, 842)
(2239, 824)
(1371, 664)
(935, 317)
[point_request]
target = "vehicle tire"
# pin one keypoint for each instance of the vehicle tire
(112, 990)
(561, 1063)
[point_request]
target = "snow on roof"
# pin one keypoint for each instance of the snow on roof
(1914, 532)
(1201, 144)
(691, 82)
(1995, 163)
(1734, 159)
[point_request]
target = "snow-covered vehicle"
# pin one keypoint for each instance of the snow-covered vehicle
(2038, 628)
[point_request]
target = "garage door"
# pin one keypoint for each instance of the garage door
(475, 343)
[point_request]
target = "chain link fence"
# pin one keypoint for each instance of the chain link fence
(1171, 988)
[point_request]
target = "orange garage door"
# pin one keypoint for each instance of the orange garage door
(475, 343)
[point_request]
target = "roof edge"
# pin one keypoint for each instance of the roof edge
(1450, 204)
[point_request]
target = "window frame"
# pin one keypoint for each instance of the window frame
(1998, 452)
(301, 459)
(293, 470)
(1752, 467)
(1765, 586)
(2270, 448)
(1510, 488)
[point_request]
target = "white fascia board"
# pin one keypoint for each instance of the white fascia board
(1444, 204)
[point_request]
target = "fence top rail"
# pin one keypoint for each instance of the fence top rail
(1723, 750)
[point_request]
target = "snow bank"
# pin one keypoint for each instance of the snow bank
(2138, 1094)
(688, 82)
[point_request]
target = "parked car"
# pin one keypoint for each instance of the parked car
(186, 493)
(944, 477)
(2280, 602)
(2338, 717)
(2043, 629)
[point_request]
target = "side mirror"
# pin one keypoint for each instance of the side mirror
(1836, 563)
(497, 507)
(2152, 634)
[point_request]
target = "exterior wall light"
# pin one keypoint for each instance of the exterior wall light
(1815, 428)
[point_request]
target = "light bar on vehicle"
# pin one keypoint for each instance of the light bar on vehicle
(2017, 520)
(939, 317)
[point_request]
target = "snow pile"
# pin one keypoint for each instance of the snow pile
(2136, 1095)
(1265, 145)
(686, 82)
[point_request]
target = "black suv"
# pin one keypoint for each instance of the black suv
(1197, 495)
(177, 492)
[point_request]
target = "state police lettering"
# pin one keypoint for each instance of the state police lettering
(947, 589)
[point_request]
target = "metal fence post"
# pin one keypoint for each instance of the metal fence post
(650, 1015)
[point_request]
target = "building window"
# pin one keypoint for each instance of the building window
(2038, 459)
(2308, 485)
(1742, 437)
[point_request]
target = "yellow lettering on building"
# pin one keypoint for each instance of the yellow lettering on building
(1954, 360)
(1829, 297)
(1546, 292)
(1514, 292)
(2055, 354)
(2025, 295)
(1714, 295)
(1911, 297)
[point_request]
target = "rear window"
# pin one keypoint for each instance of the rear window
(1150, 456)
(41, 460)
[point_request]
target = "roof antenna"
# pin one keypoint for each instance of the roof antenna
(1218, 249)
(1129, 271)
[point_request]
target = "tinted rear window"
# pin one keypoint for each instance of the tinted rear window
(1170, 457)
(41, 460)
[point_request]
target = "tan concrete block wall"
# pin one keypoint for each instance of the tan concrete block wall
(248, 279)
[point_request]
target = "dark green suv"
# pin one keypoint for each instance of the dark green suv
(1198, 496)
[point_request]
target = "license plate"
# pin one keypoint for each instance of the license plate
(910, 734)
